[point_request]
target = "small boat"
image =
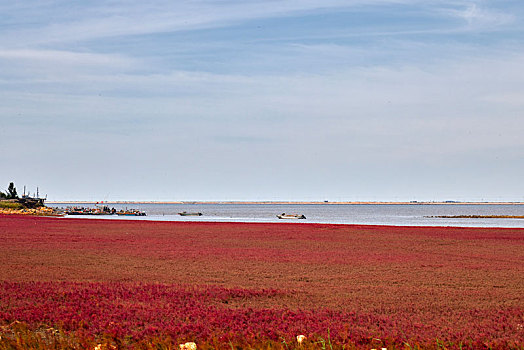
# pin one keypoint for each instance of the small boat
(185, 213)
(131, 212)
(290, 216)
(77, 211)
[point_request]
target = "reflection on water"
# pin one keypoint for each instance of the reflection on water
(368, 214)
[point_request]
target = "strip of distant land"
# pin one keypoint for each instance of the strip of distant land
(478, 216)
(297, 202)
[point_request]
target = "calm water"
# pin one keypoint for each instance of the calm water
(368, 214)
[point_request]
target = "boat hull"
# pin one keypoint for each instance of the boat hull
(131, 214)
(290, 216)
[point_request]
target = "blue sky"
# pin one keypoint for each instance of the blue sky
(263, 100)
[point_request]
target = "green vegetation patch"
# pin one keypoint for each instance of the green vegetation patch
(10, 205)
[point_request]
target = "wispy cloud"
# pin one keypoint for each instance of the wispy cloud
(57, 57)
(84, 22)
(124, 18)
(479, 16)
(435, 100)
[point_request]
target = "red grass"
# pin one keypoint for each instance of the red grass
(265, 281)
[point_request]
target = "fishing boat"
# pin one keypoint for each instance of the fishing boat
(77, 211)
(290, 216)
(185, 213)
(130, 212)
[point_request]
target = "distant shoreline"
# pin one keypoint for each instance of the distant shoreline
(293, 202)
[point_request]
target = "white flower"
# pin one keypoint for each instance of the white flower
(188, 346)
(301, 338)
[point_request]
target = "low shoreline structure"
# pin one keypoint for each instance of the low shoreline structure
(11, 203)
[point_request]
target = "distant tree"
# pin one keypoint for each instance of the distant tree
(3, 195)
(11, 191)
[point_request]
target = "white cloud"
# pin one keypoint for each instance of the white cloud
(446, 108)
(67, 57)
(84, 23)
(477, 16)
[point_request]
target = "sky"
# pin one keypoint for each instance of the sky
(355, 100)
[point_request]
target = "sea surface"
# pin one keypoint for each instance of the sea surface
(361, 214)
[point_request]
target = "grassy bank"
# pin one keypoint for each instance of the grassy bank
(12, 206)
(9, 204)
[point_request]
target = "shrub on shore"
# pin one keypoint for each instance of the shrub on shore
(11, 192)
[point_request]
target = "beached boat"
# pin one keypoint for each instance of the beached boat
(185, 213)
(290, 216)
(130, 212)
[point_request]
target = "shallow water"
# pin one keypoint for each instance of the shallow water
(367, 214)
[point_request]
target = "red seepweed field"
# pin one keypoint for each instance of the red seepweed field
(144, 284)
